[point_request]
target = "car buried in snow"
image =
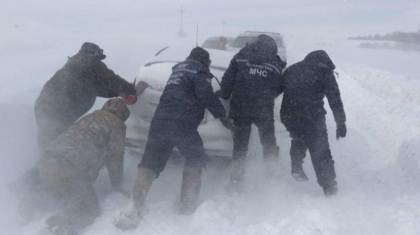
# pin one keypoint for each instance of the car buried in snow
(151, 80)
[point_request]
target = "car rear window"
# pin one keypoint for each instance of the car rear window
(241, 41)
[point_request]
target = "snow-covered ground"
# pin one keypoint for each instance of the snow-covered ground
(378, 168)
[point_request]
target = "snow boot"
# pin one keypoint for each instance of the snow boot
(330, 190)
(237, 176)
(298, 173)
(130, 217)
(59, 225)
(190, 189)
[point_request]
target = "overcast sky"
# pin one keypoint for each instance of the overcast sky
(298, 17)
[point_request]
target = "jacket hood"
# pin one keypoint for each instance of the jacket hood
(263, 50)
(320, 58)
(117, 107)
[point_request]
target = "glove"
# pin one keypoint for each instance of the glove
(130, 99)
(341, 130)
(228, 123)
(220, 95)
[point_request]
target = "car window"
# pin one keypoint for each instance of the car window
(279, 42)
(241, 41)
(211, 44)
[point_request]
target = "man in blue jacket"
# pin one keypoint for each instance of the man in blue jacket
(250, 82)
(181, 109)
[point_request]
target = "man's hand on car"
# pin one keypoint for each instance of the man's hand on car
(228, 123)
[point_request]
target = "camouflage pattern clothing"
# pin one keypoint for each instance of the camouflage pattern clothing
(74, 160)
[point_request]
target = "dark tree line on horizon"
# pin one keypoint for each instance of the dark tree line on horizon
(401, 37)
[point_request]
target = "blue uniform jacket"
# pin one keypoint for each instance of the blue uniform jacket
(251, 81)
(187, 94)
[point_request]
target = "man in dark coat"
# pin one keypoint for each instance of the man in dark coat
(303, 114)
(250, 82)
(74, 159)
(187, 94)
(72, 91)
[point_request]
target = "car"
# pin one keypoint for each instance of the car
(151, 80)
(251, 36)
(217, 43)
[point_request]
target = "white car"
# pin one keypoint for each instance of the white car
(251, 36)
(155, 72)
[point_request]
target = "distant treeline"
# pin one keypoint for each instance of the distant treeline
(411, 38)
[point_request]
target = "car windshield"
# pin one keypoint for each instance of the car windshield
(240, 42)
(212, 44)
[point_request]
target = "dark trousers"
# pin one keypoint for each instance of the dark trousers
(243, 131)
(312, 135)
(164, 135)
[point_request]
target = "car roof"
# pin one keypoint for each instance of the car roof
(218, 38)
(256, 33)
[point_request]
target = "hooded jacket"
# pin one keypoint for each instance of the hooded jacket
(187, 94)
(250, 80)
(72, 91)
(306, 84)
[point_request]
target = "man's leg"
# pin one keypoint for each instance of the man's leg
(240, 149)
(322, 161)
(74, 187)
(270, 149)
(158, 150)
(191, 146)
(297, 153)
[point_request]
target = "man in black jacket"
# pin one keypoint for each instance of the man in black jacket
(72, 91)
(303, 114)
(250, 82)
(181, 109)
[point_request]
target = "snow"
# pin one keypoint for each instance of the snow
(377, 164)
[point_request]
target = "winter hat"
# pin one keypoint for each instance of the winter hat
(117, 107)
(200, 55)
(93, 50)
(268, 42)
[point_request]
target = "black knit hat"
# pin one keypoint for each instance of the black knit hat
(200, 55)
(93, 50)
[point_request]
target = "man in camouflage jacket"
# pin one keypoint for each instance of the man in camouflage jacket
(74, 160)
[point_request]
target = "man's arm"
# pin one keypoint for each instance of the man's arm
(204, 92)
(111, 85)
(334, 99)
(228, 79)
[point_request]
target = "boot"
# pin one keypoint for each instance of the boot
(298, 173)
(330, 190)
(190, 189)
(59, 225)
(237, 177)
(271, 160)
(130, 217)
